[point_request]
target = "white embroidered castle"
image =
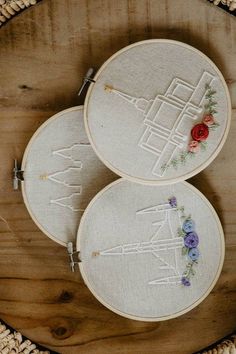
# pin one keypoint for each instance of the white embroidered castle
(71, 153)
(164, 244)
(69, 202)
(67, 177)
(165, 117)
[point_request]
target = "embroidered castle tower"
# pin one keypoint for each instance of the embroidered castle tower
(68, 178)
(164, 244)
(164, 117)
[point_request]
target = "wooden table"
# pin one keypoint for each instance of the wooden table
(44, 54)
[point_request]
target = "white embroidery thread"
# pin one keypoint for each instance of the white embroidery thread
(62, 177)
(68, 202)
(69, 152)
(54, 177)
(158, 139)
(156, 246)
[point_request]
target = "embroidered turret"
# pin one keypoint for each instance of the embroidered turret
(165, 128)
(69, 177)
(164, 244)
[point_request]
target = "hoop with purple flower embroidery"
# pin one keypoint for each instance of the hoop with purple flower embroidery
(190, 242)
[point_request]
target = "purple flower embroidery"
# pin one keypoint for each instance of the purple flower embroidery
(185, 281)
(188, 225)
(173, 202)
(191, 240)
(193, 254)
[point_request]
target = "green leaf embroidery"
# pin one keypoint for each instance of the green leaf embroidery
(203, 145)
(184, 155)
(181, 233)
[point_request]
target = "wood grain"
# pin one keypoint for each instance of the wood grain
(44, 53)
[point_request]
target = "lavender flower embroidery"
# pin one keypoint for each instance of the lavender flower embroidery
(190, 241)
(185, 281)
(188, 225)
(194, 254)
(173, 202)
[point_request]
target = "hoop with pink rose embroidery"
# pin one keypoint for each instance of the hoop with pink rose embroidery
(199, 133)
(140, 121)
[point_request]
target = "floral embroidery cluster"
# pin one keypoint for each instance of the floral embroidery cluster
(199, 132)
(190, 241)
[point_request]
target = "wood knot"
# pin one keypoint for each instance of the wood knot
(61, 332)
(25, 87)
(65, 296)
(61, 328)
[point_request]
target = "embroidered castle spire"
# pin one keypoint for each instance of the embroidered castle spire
(70, 202)
(65, 177)
(71, 152)
(140, 103)
(164, 245)
(68, 178)
(165, 128)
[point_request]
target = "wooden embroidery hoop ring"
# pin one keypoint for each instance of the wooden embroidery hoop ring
(163, 318)
(38, 131)
(177, 179)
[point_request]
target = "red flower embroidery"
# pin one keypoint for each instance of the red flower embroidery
(200, 132)
(208, 119)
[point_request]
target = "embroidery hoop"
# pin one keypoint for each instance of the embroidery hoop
(85, 276)
(107, 175)
(136, 178)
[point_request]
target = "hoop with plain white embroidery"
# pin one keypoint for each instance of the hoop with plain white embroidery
(60, 175)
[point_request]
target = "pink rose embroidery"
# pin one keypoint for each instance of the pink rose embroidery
(199, 132)
(208, 119)
(193, 146)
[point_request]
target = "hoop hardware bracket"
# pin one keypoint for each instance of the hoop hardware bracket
(72, 254)
(87, 79)
(18, 176)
